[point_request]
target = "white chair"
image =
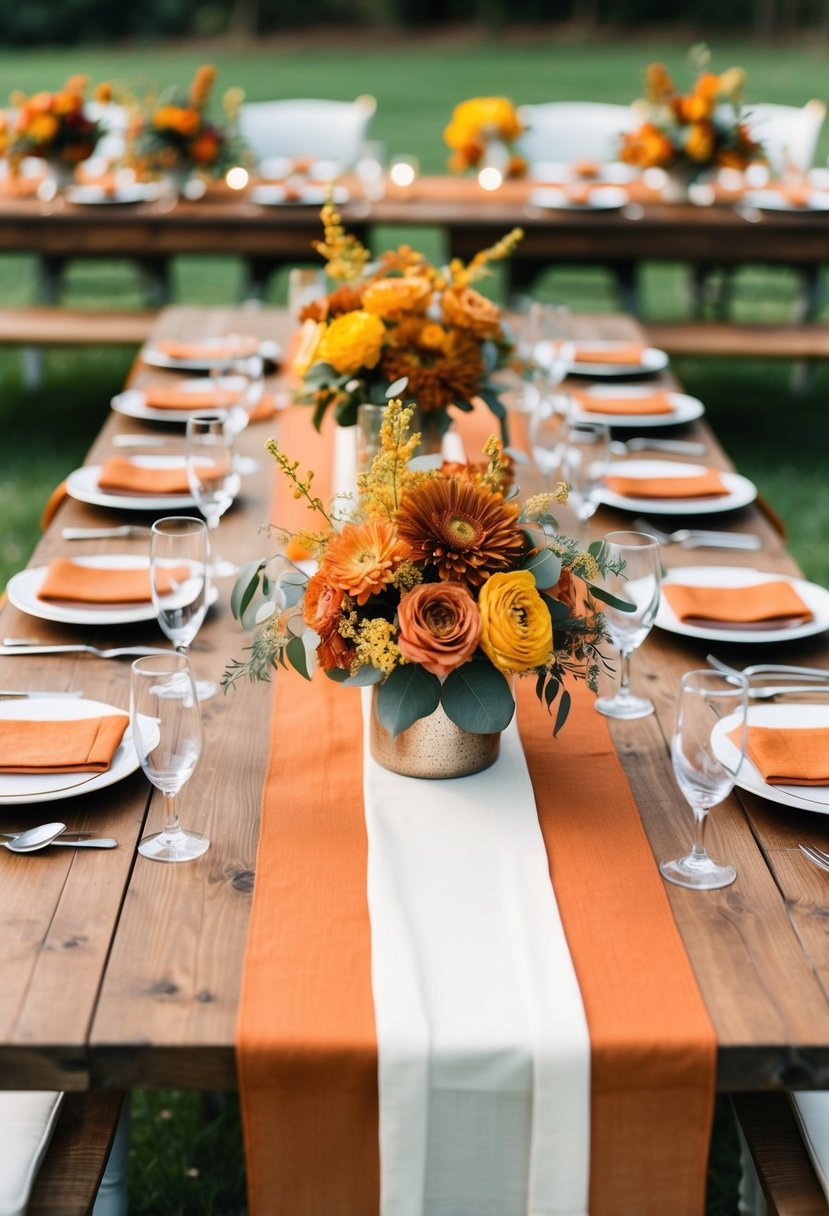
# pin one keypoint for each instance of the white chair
(112, 144)
(27, 1121)
(324, 130)
(789, 134)
(568, 131)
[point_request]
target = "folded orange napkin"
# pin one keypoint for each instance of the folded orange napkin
(793, 756)
(650, 403)
(121, 474)
(798, 194)
(176, 348)
(759, 602)
(68, 580)
(168, 397)
(586, 168)
(699, 485)
(619, 352)
(82, 745)
(578, 193)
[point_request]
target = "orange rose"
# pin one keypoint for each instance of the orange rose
(205, 148)
(565, 591)
(390, 297)
(466, 308)
(321, 612)
(440, 626)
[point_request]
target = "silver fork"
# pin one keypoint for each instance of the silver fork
(698, 538)
(641, 443)
(768, 669)
(769, 691)
(28, 646)
(816, 856)
(104, 533)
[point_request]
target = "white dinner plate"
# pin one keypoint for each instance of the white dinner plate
(133, 404)
(804, 797)
(685, 408)
(557, 173)
(772, 200)
(157, 358)
(22, 788)
(741, 491)
(83, 485)
(97, 196)
(653, 360)
(816, 597)
(601, 198)
(276, 195)
(22, 590)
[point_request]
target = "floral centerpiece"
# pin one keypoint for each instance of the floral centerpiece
(483, 131)
(401, 318)
(53, 126)
(436, 586)
(694, 131)
(177, 134)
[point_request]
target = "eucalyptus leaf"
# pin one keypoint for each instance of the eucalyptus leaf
(247, 581)
(613, 600)
(345, 412)
(490, 396)
(465, 407)
(409, 693)
(249, 618)
(559, 613)
(377, 394)
(322, 373)
(477, 697)
(551, 691)
(595, 547)
(489, 351)
(545, 568)
(563, 710)
(295, 653)
(292, 586)
(319, 412)
(264, 612)
(397, 388)
(364, 677)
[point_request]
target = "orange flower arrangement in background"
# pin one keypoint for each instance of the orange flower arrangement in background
(53, 126)
(698, 129)
(176, 130)
(478, 124)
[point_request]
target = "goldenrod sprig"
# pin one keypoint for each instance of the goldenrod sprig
(462, 275)
(302, 489)
(345, 256)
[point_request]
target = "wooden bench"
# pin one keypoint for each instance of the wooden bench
(73, 327)
(729, 340)
(789, 1183)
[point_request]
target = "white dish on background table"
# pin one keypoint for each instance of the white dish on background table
(306, 195)
(773, 200)
(685, 408)
(132, 402)
(83, 485)
(804, 797)
(814, 596)
(652, 361)
(96, 196)
(741, 491)
(204, 363)
(23, 587)
(600, 198)
(556, 173)
(22, 788)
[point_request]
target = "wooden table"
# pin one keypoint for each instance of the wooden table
(121, 973)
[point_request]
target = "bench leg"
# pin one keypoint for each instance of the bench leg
(111, 1199)
(47, 291)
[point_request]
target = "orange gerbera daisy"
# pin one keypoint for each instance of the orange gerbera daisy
(363, 558)
(461, 529)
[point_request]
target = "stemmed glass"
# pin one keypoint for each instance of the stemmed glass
(212, 475)
(635, 558)
(545, 349)
(586, 450)
(706, 763)
(179, 583)
(244, 378)
(547, 431)
(166, 729)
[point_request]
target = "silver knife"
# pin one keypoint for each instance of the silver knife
(7, 694)
(104, 533)
(143, 441)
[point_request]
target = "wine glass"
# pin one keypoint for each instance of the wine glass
(179, 583)
(547, 430)
(706, 764)
(586, 450)
(212, 475)
(369, 169)
(544, 349)
(166, 730)
(243, 377)
(369, 424)
(634, 577)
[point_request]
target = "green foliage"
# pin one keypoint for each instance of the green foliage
(478, 698)
(409, 693)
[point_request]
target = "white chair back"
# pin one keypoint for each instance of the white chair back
(325, 130)
(789, 134)
(567, 131)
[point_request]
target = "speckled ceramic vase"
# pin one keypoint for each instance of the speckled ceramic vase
(432, 747)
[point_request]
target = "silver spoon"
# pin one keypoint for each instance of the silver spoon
(34, 838)
(75, 841)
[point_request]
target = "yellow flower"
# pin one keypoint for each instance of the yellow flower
(517, 628)
(352, 341)
(700, 142)
(390, 297)
(43, 129)
(732, 82)
(309, 339)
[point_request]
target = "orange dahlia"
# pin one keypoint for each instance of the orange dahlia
(442, 364)
(363, 558)
(345, 298)
(461, 530)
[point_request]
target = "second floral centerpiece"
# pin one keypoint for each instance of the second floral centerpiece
(437, 589)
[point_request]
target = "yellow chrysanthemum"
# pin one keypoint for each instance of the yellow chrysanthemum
(352, 341)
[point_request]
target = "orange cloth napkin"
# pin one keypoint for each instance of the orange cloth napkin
(82, 745)
(794, 756)
(650, 403)
(578, 193)
(68, 580)
(759, 602)
(798, 194)
(620, 352)
(699, 485)
(168, 397)
(586, 168)
(176, 348)
(121, 474)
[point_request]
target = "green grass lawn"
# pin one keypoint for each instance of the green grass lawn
(183, 1164)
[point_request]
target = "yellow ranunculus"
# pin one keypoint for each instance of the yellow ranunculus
(310, 335)
(517, 628)
(43, 129)
(700, 142)
(352, 341)
(390, 297)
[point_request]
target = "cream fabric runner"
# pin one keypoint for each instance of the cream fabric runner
(484, 1053)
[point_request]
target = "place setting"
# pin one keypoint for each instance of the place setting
(667, 487)
(207, 354)
(634, 406)
(602, 359)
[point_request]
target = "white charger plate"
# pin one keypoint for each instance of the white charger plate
(46, 787)
(97, 196)
(816, 597)
(748, 777)
(741, 491)
(23, 588)
(133, 403)
(772, 200)
(157, 358)
(556, 173)
(685, 408)
(83, 485)
(275, 195)
(653, 360)
(601, 198)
